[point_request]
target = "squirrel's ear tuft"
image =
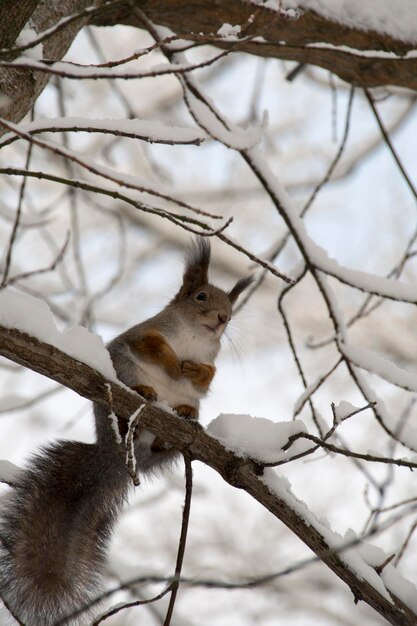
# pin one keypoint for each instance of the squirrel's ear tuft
(240, 286)
(197, 260)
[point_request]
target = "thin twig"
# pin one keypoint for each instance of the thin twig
(280, 245)
(123, 607)
(98, 170)
(25, 404)
(314, 387)
(183, 537)
(44, 270)
(97, 73)
(13, 234)
(293, 347)
(343, 451)
(73, 196)
(405, 544)
(389, 143)
(180, 220)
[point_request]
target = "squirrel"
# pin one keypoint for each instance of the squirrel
(56, 522)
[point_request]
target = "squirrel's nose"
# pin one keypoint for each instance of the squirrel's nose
(222, 318)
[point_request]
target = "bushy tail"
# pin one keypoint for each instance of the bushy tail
(54, 529)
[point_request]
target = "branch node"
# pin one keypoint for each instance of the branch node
(379, 568)
(234, 470)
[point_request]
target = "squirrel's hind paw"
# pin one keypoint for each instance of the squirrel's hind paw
(146, 392)
(187, 411)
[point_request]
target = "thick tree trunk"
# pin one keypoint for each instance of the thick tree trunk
(20, 88)
(18, 13)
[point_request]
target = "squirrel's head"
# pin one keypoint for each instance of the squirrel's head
(204, 304)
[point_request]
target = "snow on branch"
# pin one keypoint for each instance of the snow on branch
(273, 35)
(77, 342)
(153, 132)
(120, 179)
(395, 18)
(279, 30)
(65, 69)
(376, 364)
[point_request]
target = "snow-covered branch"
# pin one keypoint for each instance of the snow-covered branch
(355, 50)
(266, 487)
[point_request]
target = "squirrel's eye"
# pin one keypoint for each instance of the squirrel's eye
(201, 296)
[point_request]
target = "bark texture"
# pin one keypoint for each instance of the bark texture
(20, 88)
(285, 38)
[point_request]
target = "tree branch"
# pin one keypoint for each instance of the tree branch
(188, 437)
(364, 58)
(310, 39)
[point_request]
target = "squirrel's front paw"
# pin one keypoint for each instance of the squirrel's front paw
(173, 368)
(200, 374)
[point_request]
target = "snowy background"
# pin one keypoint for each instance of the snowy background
(122, 265)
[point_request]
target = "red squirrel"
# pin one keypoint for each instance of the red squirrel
(57, 520)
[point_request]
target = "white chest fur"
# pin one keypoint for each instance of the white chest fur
(194, 345)
(189, 344)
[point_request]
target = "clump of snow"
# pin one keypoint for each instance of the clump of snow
(383, 367)
(397, 18)
(400, 587)
(279, 7)
(33, 316)
(257, 437)
(373, 555)
(227, 30)
(26, 36)
(233, 136)
(343, 409)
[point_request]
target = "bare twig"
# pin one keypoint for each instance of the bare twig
(183, 537)
(405, 544)
(184, 221)
(123, 607)
(91, 72)
(98, 170)
(13, 234)
(343, 451)
(292, 345)
(45, 270)
(389, 143)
